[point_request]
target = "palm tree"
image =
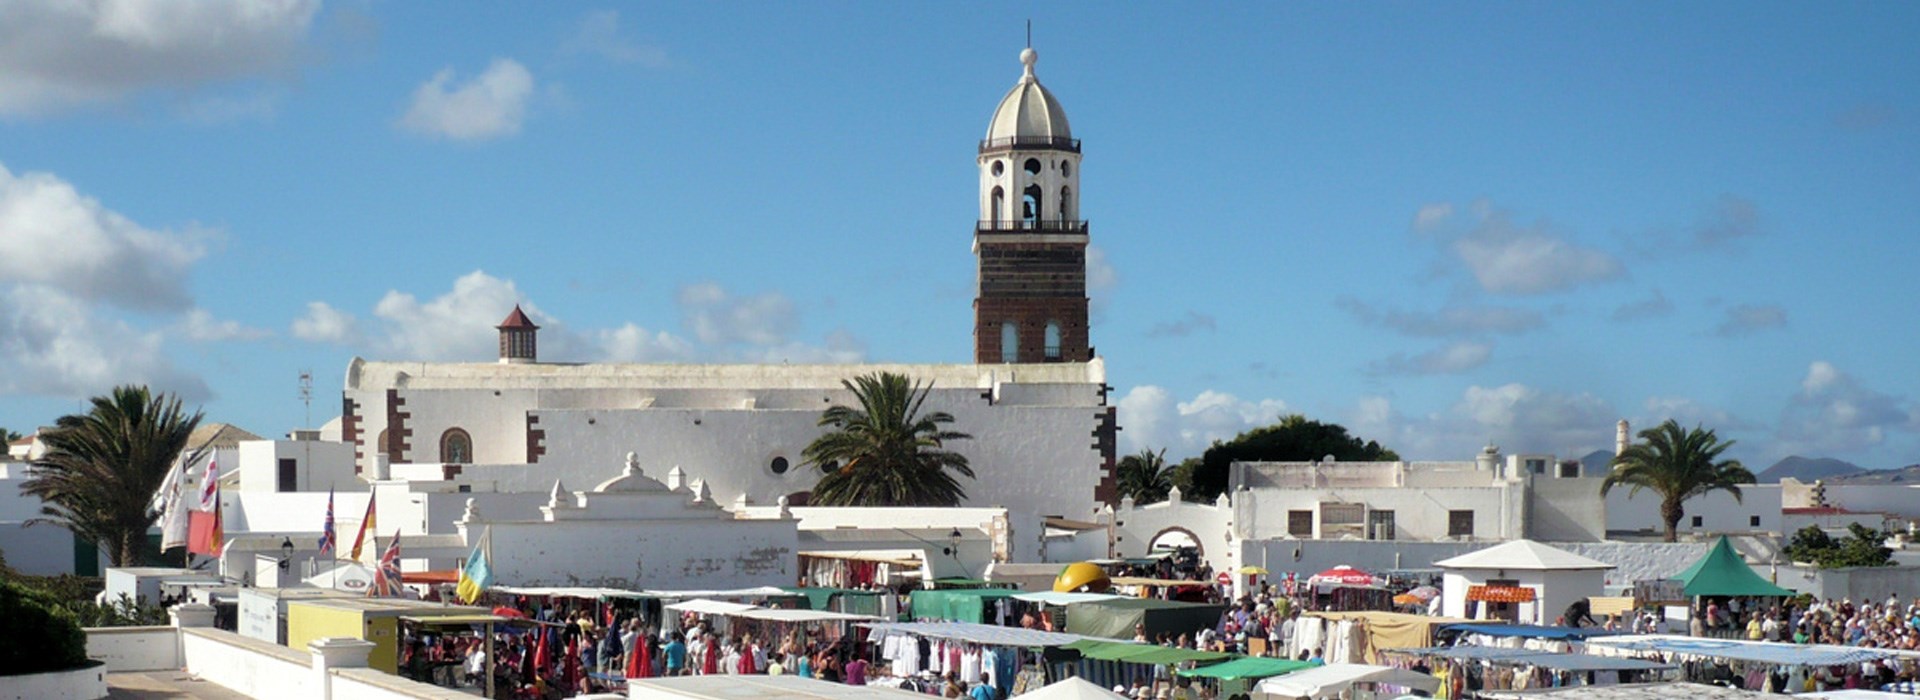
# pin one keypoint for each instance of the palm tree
(1678, 464)
(1145, 476)
(101, 468)
(885, 452)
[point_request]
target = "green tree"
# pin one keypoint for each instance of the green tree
(1679, 465)
(102, 467)
(1863, 546)
(1145, 476)
(885, 452)
(1294, 439)
(7, 437)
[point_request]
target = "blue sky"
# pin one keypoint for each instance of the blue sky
(1437, 224)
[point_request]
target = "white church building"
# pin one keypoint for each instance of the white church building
(1034, 398)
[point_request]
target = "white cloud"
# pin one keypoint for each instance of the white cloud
(1506, 258)
(1449, 321)
(325, 324)
(57, 237)
(631, 343)
(491, 105)
(1651, 307)
(1452, 358)
(458, 325)
(1150, 418)
(1834, 412)
(1432, 215)
(599, 35)
(1747, 319)
(1733, 218)
(200, 326)
(1101, 280)
(57, 55)
(1687, 412)
(53, 344)
(1516, 417)
(718, 317)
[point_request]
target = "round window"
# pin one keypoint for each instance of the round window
(779, 465)
(1033, 166)
(999, 166)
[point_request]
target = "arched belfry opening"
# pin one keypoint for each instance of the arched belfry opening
(1032, 246)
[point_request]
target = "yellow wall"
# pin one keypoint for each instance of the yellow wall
(308, 622)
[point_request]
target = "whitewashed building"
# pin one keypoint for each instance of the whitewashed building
(1520, 581)
(1034, 397)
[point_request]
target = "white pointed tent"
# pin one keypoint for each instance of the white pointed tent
(1075, 688)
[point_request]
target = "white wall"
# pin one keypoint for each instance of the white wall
(1566, 510)
(134, 648)
(1420, 514)
(1212, 527)
(318, 466)
(1632, 560)
(249, 667)
(1718, 511)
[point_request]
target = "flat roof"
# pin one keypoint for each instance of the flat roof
(728, 687)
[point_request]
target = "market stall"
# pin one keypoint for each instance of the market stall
(1466, 670)
(1764, 666)
(1353, 637)
(1123, 618)
(1237, 676)
(1332, 680)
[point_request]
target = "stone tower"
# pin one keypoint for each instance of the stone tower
(1031, 304)
(518, 338)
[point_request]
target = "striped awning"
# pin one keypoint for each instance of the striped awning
(1500, 594)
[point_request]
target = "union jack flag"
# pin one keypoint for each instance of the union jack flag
(386, 576)
(328, 540)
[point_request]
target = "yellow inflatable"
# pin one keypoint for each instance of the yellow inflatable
(1082, 578)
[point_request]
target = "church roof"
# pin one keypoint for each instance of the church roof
(219, 435)
(1526, 555)
(1029, 112)
(517, 319)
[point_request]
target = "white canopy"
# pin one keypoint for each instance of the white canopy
(784, 615)
(710, 607)
(1073, 688)
(1522, 555)
(349, 576)
(567, 591)
(1059, 598)
(1329, 680)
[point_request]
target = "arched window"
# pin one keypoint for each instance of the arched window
(456, 447)
(1031, 211)
(380, 443)
(1009, 342)
(1053, 340)
(998, 211)
(1065, 194)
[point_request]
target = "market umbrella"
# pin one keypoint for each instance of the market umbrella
(504, 611)
(1252, 571)
(1344, 575)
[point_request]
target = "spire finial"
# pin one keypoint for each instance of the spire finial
(1028, 57)
(1029, 33)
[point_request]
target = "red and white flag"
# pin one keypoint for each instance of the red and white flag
(210, 486)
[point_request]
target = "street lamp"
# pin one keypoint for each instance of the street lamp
(953, 544)
(286, 553)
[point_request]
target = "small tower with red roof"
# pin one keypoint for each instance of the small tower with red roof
(517, 338)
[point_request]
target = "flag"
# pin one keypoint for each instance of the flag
(327, 536)
(477, 575)
(210, 487)
(366, 526)
(174, 527)
(207, 533)
(386, 576)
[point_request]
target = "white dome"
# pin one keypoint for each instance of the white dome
(1028, 111)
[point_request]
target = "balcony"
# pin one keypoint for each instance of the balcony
(1021, 143)
(1039, 226)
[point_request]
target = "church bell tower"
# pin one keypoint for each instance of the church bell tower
(1031, 303)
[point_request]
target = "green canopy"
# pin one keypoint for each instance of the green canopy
(1115, 619)
(1722, 572)
(959, 605)
(1136, 653)
(1248, 668)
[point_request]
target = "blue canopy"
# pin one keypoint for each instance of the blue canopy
(1761, 652)
(1535, 657)
(1533, 631)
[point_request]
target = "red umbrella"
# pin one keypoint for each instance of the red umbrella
(1344, 575)
(504, 611)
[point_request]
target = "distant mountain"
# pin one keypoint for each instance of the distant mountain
(1906, 475)
(1807, 469)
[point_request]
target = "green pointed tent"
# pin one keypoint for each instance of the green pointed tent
(1722, 572)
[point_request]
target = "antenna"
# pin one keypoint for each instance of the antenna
(1029, 33)
(306, 395)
